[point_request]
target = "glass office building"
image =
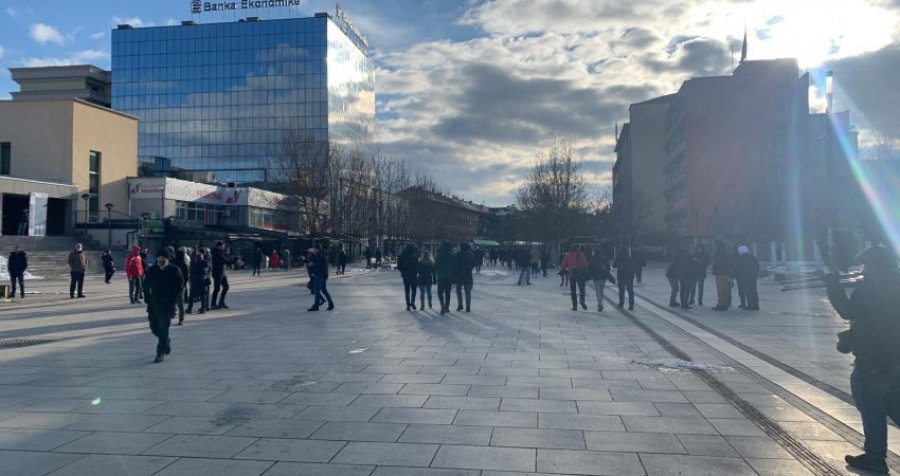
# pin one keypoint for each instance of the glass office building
(219, 98)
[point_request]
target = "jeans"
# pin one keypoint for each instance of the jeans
(599, 287)
(134, 289)
(751, 294)
(199, 292)
(723, 291)
(673, 295)
(256, 271)
(219, 282)
(76, 282)
(20, 277)
(409, 289)
(179, 302)
(877, 396)
(443, 289)
(460, 287)
(109, 274)
(423, 289)
(524, 276)
(687, 287)
(23, 228)
(320, 289)
(697, 291)
(574, 287)
(626, 284)
(159, 326)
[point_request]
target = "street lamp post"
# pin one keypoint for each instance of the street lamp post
(86, 197)
(109, 208)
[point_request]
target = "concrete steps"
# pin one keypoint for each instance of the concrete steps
(48, 255)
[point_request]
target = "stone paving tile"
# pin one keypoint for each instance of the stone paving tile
(114, 443)
(411, 378)
(200, 446)
(388, 454)
(415, 415)
(582, 394)
(718, 410)
(193, 426)
(396, 471)
(735, 427)
(37, 440)
(707, 445)
(539, 382)
(215, 467)
(588, 463)
(778, 467)
(26, 463)
(489, 418)
(246, 411)
(276, 428)
(618, 408)
(447, 434)
(318, 469)
(324, 413)
(398, 401)
(688, 426)
(466, 403)
(567, 421)
(810, 431)
(475, 380)
(354, 387)
(538, 438)
(49, 405)
(665, 465)
(100, 464)
(49, 421)
(350, 377)
(757, 447)
(118, 407)
(533, 405)
(333, 399)
(485, 458)
(503, 391)
(357, 431)
(188, 409)
(250, 396)
(634, 442)
(277, 449)
(678, 410)
(654, 396)
(124, 423)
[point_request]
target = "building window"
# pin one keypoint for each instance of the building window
(94, 185)
(199, 213)
(5, 158)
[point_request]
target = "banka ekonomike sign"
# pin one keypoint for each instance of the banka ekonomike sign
(202, 7)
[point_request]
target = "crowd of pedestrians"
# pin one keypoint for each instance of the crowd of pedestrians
(450, 268)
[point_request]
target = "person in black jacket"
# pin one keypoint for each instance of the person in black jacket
(200, 280)
(181, 260)
(465, 263)
(673, 272)
(523, 261)
(625, 277)
(872, 338)
(722, 269)
(109, 266)
(256, 261)
(746, 274)
(408, 265)
(319, 274)
(343, 259)
(220, 280)
(425, 279)
(445, 270)
(701, 263)
(162, 286)
(16, 264)
(599, 270)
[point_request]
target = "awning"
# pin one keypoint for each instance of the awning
(486, 243)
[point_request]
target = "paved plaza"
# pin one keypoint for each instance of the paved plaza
(521, 385)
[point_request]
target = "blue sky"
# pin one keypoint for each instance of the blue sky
(471, 90)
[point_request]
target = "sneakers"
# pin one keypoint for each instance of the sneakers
(583, 305)
(867, 463)
(159, 358)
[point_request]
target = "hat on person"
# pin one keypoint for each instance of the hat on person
(743, 250)
(164, 252)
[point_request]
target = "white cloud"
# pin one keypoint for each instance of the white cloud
(43, 34)
(172, 22)
(2, 51)
(98, 36)
(12, 12)
(136, 22)
(77, 57)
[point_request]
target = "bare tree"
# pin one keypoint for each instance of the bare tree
(555, 192)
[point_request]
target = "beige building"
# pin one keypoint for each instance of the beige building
(77, 153)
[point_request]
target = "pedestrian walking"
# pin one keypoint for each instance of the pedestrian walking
(109, 265)
(872, 338)
(465, 263)
(319, 274)
(286, 259)
(367, 254)
(23, 223)
(78, 263)
(275, 261)
(134, 271)
(343, 259)
(408, 265)
(200, 281)
(563, 276)
(746, 274)
(162, 286)
(220, 279)
(479, 259)
(378, 258)
(672, 274)
(545, 261)
(16, 265)
(575, 264)
(722, 268)
(182, 261)
(625, 271)
(701, 264)
(445, 270)
(535, 255)
(256, 260)
(523, 261)
(599, 271)
(426, 278)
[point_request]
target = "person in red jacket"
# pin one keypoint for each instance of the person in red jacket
(134, 270)
(575, 265)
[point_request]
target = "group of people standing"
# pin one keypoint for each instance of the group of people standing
(447, 269)
(687, 276)
(738, 265)
(579, 268)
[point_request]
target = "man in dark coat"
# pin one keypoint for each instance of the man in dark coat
(445, 269)
(872, 310)
(163, 284)
(625, 277)
(256, 261)
(722, 268)
(319, 274)
(200, 280)
(746, 274)
(701, 263)
(408, 265)
(465, 263)
(16, 264)
(220, 280)
(109, 265)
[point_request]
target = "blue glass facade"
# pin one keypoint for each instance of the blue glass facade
(220, 97)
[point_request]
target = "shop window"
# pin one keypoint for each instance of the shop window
(5, 158)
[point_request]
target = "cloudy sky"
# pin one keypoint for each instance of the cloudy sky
(472, 89)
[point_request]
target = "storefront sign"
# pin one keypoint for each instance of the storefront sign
(198, 6)
(339, 13)
(192, 192)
